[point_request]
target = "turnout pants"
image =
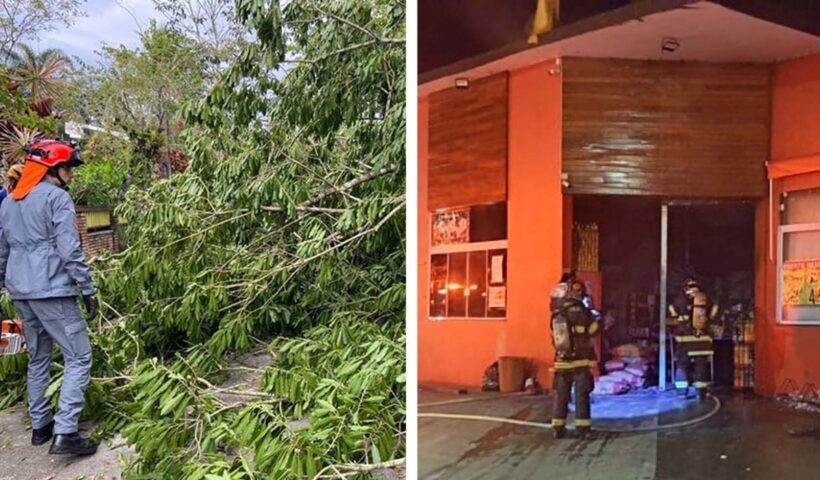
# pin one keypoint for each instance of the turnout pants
(60, 321)
(564, 378)
(692, 354)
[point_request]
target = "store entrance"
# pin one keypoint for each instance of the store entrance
(713, 242)
(635, 253)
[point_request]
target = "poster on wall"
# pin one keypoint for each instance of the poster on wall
(497, 297)
(801, 283)
(451, 227)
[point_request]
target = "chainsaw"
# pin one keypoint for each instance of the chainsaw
(11, 337)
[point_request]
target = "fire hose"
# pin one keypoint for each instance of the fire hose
(547, 426)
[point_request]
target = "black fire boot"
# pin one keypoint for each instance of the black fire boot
(72, 444)
(584, 432)
(40, 436)
(559, 432)
(702, 394)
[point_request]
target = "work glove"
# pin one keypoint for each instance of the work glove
(90, 307)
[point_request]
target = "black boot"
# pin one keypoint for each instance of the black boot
(559, 432)
(40, 436)
(72, 444)
(583, 432)
(701, 394)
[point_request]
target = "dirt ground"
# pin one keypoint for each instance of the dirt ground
(20, 460)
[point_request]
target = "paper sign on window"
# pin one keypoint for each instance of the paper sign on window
(497, 297)
(497, 269)
(801, 282)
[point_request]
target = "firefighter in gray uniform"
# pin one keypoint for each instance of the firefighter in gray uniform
(44, 270)
(690, 315)
(573, 326)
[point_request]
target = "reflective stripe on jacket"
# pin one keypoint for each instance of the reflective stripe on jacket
(40, 252)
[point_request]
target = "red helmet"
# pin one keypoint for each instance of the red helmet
(53, 153)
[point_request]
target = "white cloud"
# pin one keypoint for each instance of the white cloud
(106, 23)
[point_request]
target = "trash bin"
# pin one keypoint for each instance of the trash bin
(511, 374)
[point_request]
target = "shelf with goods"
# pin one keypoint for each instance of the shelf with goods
(744, 340)
(642, 315)
(585, 263)
(586, 247)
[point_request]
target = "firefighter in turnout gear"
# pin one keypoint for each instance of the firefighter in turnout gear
(689, 316)
(573, 326)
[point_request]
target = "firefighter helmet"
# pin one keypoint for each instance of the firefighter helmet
(54, 153)
(691, 286)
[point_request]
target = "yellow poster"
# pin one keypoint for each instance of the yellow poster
(801, 282)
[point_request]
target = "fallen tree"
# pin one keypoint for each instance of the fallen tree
(286, 233)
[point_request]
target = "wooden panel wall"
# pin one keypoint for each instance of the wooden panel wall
(665, 128)
(468, 144)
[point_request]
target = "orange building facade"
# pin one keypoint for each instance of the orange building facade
(457, 351)
(786, 355)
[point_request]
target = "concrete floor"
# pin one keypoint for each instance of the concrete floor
(749, 438)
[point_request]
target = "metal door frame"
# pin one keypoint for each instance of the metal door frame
(665, 204)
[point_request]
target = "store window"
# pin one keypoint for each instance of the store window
(798, 259)
(468, 262)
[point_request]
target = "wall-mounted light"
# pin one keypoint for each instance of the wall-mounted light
(462, 83)
(556, 69)
(669, 45)
(565, 180)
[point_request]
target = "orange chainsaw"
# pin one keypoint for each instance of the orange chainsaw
(11, 337)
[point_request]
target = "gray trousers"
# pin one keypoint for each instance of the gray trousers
(45, 322)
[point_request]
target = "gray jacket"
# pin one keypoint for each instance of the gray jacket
(40, 253)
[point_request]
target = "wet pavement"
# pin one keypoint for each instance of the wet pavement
(748, 438)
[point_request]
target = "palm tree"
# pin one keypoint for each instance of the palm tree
(37, 74)
(12, 141)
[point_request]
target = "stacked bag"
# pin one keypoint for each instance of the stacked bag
(626, 371)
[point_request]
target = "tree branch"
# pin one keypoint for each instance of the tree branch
(349, 185)
(352, 469)
(349, 23)
(305, 209)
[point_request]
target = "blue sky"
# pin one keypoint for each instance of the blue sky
(105, 22)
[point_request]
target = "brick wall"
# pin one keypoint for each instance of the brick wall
(96, 242)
